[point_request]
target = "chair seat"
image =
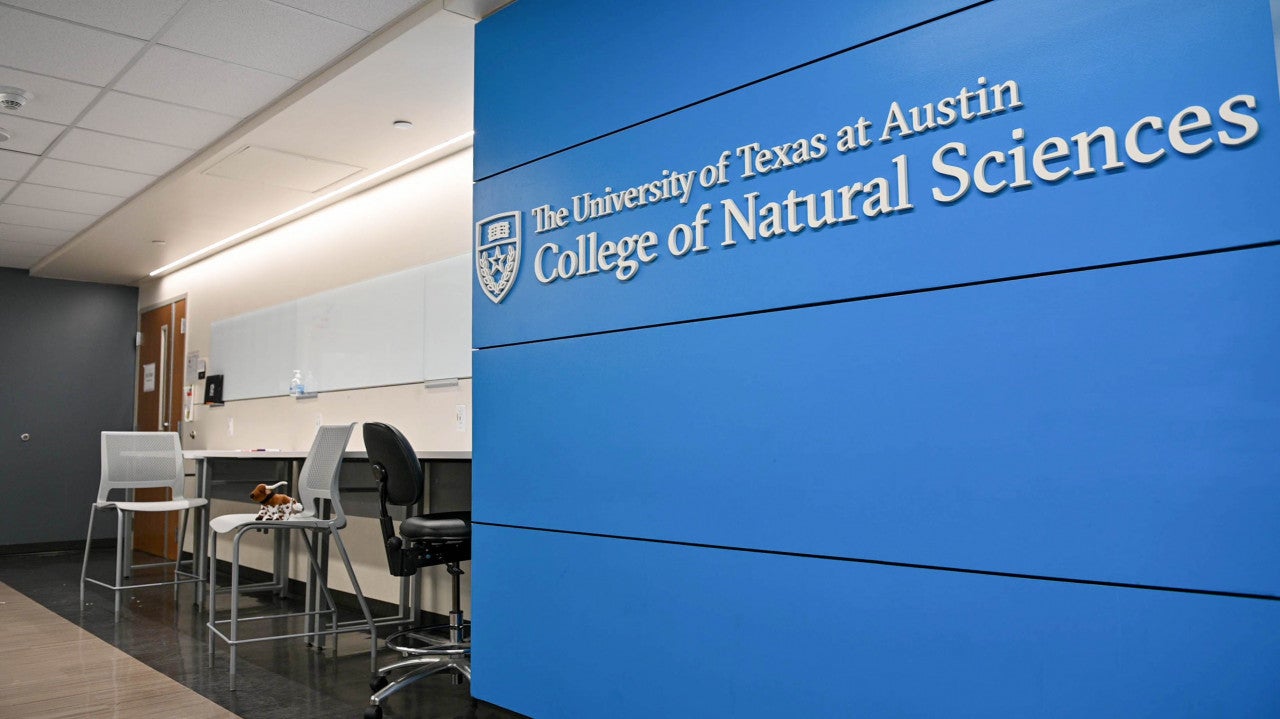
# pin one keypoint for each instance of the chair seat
(172, 505)
(444, 526)
(228, 522)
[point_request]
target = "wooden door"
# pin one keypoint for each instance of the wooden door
(161, 376)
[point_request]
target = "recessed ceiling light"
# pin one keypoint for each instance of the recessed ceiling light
(402, 124)
(13, 98)
(4, 135)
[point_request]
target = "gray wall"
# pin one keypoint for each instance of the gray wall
(66, 374)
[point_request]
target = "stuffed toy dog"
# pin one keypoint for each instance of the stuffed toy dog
(274, 506)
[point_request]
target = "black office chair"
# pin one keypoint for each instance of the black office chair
(424, 540)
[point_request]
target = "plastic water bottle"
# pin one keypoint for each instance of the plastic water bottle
(295, 385)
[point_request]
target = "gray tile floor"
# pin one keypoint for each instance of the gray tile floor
(275, 680)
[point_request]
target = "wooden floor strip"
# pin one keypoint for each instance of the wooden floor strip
(53, 669)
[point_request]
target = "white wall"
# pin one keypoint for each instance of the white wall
(418, 218)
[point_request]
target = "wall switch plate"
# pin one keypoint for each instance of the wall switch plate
(460, 417)
(231, 427)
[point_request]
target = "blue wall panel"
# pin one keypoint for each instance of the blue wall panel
(1115, 424)
(1077, 71)
(632, 629)
(579, 75)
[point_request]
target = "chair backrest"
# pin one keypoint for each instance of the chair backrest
(394, 463)
(135, 460)
(319, 477)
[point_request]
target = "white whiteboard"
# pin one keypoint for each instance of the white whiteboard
(363, 335)
(400, 328)
(447, 314)
(255, 352)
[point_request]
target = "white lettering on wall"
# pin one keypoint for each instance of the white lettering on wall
(958, 169)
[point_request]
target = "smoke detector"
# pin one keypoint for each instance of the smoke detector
(13, 98)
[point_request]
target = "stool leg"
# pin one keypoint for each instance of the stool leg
(119, 557)
(177, 561)
(84, 568)
(164, 539)
(431, 665)
(364, 606)
(323, 589)
(212, 582)
(235, 600)
(456, 619)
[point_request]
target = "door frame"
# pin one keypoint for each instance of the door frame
(137, 374)
(170, 389)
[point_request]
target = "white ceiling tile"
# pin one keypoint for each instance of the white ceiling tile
(21, 256)
(30, 136)
(145, 119)
(369, 15)
(20, 249)
(40, 217)
(185, 78)
(62, 49)
(95, 148)
(260, 34)
(102, 180)
(13, 165)
(11, 262)
(59, 198)
(34, 235)
(5, 186)
(139, 18)
(53, 100)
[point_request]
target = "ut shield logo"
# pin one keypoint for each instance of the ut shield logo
(498, 254)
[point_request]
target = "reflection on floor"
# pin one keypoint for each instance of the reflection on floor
(273, 680)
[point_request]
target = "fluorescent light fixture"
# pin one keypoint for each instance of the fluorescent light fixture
(460, 139)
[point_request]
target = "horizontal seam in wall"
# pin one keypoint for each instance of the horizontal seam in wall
(898, 293)
(888, 563)
(744, 85)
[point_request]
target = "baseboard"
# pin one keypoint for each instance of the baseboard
(75, 545)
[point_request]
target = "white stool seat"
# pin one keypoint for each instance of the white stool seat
(173, 505)
(228, 522)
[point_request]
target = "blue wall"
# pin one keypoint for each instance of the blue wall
(66, 375)
(1010, 450)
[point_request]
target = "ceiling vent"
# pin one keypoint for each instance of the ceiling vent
(12, 98)
(278, 168)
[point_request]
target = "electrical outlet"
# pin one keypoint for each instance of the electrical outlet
(460, 417)
(319, 420)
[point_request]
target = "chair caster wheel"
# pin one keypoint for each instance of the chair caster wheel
(377, 683)
(374, 712)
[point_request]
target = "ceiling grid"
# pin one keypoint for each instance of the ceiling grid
(130, 101)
